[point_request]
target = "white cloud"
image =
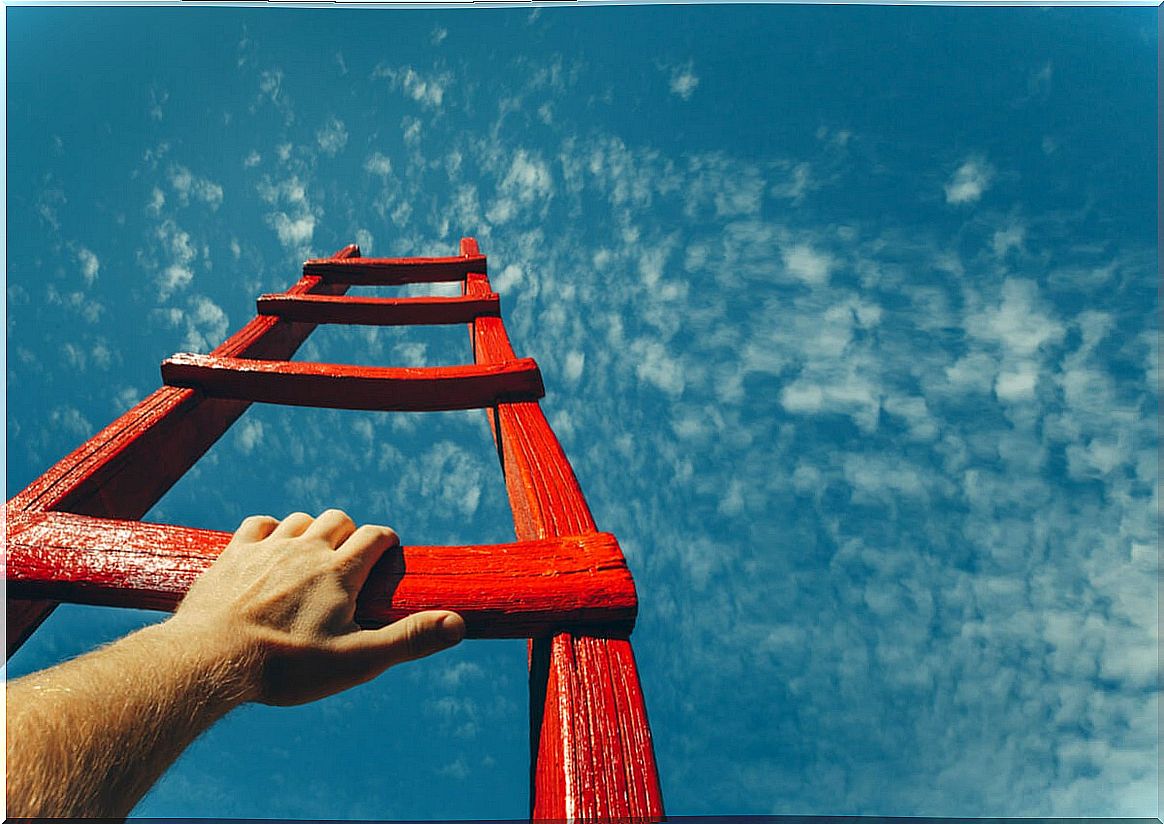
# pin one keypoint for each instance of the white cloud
(206, 324)
(684, 81)
(427, 90)
(510, 277)
(332, 136)
(1009, 237)
(157, 201)
(186, 185)
(970, 180)
(974, 372)
(253, 159)
(1018, 324)
(797, 184)
(1017, 383)
(575, 362)
(294, 232)
(807, 264)
(126, 398)
(271, 83)
(180, 250)
(438, 35)
(1039, 83)
(90, 265)
(656, 366)
(71, 420)
(378, 164)
(412, 128)
(527, 181)
(248, 435)
(157, 101)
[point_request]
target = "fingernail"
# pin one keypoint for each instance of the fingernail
(451, 628)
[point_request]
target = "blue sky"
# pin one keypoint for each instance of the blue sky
(848, 322)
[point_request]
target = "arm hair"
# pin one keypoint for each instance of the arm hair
(89, 737)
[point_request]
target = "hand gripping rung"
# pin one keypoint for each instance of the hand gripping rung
(518, 590)
(394, 271)
(339, 386)
(378, 311)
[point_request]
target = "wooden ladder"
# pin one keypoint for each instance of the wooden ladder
(75, 533)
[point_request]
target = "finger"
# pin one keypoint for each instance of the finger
(417, 636)
(255, 528)
(293, 525)
(333, 526)
(363, 548)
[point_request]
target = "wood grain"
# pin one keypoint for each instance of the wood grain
(592, 755)
(341, 386)
(517, 590)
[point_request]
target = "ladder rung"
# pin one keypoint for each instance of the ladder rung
(394, 271)
(518, 590)
(378, 311)
(341, 386)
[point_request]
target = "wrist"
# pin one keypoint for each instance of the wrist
(221, 666)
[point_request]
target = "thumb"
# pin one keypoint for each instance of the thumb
(417, 636)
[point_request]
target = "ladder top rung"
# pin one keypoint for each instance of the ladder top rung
(394, 271)
(379, 311)
(343, 386)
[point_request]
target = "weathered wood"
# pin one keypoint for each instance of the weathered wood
(516, 590)
(394, 271)
(378, 311)
(126, 467)
(340, 386)
(591, 751)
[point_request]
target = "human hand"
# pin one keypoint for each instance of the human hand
(280, 601)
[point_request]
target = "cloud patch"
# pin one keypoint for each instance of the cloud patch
(187, 186)
(969, 181)
(684, 81)
(90, 265)
(332, 136)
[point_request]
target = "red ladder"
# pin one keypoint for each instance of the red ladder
(75, 533)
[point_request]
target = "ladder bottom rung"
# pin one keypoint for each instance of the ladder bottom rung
(340, 386)
(519, 590)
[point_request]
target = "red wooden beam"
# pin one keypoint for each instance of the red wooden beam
(378, 311)
(394, 271)
(421, 389)
(126, 467)
(591, 751)
(517, 590)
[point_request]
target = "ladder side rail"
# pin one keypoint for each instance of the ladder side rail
(592, 755)
(125, 468)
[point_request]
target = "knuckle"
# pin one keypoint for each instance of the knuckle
(380, 532)
(257, 520)
(369, 531)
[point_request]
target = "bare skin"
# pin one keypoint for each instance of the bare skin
(271, 621)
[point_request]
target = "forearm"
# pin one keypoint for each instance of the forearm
(89, 737)
(273, 621)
